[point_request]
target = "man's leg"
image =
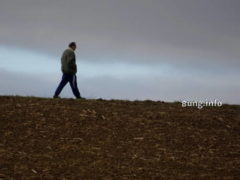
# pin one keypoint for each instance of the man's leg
(61, 85)
(73, 84)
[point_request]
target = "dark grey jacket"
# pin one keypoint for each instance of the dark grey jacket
(68, 61)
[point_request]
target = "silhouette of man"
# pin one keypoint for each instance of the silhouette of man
(69, 70)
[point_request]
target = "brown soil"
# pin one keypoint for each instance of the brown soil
(97, 139)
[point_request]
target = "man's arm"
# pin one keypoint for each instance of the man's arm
(71, 59)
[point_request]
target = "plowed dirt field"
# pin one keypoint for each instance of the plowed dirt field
(65, 139)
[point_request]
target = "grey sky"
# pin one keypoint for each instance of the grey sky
(174, 28)
(201, 37)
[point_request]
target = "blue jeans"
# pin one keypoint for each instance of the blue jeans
(72, 79)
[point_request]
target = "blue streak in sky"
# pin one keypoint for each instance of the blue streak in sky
(26, 61)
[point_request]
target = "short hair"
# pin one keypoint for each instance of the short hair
(71, 44)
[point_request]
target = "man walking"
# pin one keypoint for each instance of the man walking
(69, 70)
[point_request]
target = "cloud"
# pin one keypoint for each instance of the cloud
(135, 30)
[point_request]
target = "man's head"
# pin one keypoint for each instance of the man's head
(72, 45)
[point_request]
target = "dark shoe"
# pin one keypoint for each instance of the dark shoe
(80, 98)
(56, 97)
